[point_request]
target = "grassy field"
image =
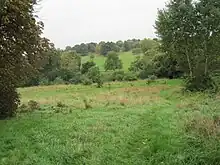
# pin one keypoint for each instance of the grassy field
(126, 57)
(124, 124)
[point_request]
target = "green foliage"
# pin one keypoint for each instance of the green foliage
(76, 78)
(130, 76)
(201, 83)
(60, 104)
(44, 81)
(58, 81)
(94, 74)
(189, 31)
(113, 62)
(20, 49)
(85, 80)
(33, 105)
(148, 44)
(87, 66)
(137, 65)
(136, 51)
(118, 76)
(70, 61)
(107, 47)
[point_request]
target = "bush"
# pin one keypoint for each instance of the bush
(152, 77)
(107, 77)
(61, 105)
(137, 51)
(44, 81)
(9, 99)
(86, 66)
(58, 81)
(33, 105)
(118, 76)
(85, 80)
(76, 79)
(130, 77)
(200, 84)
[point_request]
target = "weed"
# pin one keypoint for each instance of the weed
(33, 105)
(86, 104)
(203, 125)
(61, 105)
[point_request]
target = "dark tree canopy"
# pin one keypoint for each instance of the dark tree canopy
(20, 49)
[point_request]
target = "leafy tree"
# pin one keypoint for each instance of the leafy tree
(68, 48)
(136, 51)
(190, 31)
(148, 44)
(70, 61)
(120, 45)
(70, 65)
(127, 46)
(91, 47)
(107, 47)
(20, 47)
(86, 66)
(137, 65)
(82, 49)
(94, 74)
(113, 61)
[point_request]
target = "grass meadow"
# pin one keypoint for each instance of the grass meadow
(123, 123)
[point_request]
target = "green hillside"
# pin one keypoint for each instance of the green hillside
(126, 57)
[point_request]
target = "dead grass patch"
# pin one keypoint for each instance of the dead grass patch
(203, 125)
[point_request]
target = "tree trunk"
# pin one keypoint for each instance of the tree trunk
(189, 64)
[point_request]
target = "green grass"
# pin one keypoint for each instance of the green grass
(126, 57)
(130, 123)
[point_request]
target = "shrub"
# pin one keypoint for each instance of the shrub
(61, 105)
(137, 51)
(9, 99)
(23, 108)
(85, 80)
(76, 79)
(33, 105)
(58, 81)
(152, 77)
(86, 66)
(118, 75)
(107, 76)
(44, 81)
(86, 104)
(130, 77)
(201, 83)
(95, 75)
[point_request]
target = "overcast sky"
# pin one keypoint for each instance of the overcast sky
(70, 22)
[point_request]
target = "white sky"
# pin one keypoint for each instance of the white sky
(70, 22)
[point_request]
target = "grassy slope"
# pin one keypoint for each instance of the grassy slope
(128, 124)
(126, 57)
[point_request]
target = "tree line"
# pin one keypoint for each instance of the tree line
(103, 48)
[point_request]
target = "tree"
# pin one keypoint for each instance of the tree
(86, 66)
(107, 47)
(94, 74)
(148, 44)
(70, 65)
(82, 49)
(190, 31)
(113, 61)
(20, 47)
